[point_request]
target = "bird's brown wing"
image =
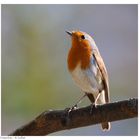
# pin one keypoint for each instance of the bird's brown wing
(103, 71)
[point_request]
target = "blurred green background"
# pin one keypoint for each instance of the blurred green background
(34, 60)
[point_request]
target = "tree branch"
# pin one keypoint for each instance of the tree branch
(52, 121)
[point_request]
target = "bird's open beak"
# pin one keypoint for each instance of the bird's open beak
(69, 33)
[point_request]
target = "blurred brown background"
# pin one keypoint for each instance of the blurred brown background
(34, 60)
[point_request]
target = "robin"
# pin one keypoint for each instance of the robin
(88, 69)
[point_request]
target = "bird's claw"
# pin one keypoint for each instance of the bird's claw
(92, 106)
(72, 108)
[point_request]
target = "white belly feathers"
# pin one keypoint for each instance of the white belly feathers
(86, 79)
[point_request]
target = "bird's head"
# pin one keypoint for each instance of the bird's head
(81, 39)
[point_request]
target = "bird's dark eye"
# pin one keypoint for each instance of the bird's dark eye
(82, 36)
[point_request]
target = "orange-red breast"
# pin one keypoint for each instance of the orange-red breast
(88, 69)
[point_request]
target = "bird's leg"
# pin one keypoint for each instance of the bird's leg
(94, 104)
(76, 104)
(97, 99)
(68, 110)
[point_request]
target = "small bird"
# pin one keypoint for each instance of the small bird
(88, 70)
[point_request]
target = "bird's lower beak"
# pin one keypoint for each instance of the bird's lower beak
(69, 33)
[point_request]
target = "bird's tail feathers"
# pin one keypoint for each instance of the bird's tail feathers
(106, 126)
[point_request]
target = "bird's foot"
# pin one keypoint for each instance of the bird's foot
(72, 108)
(93, 105)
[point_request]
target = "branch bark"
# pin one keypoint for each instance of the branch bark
(52, 121)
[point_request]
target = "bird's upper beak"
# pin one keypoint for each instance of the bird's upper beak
(69, 33)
